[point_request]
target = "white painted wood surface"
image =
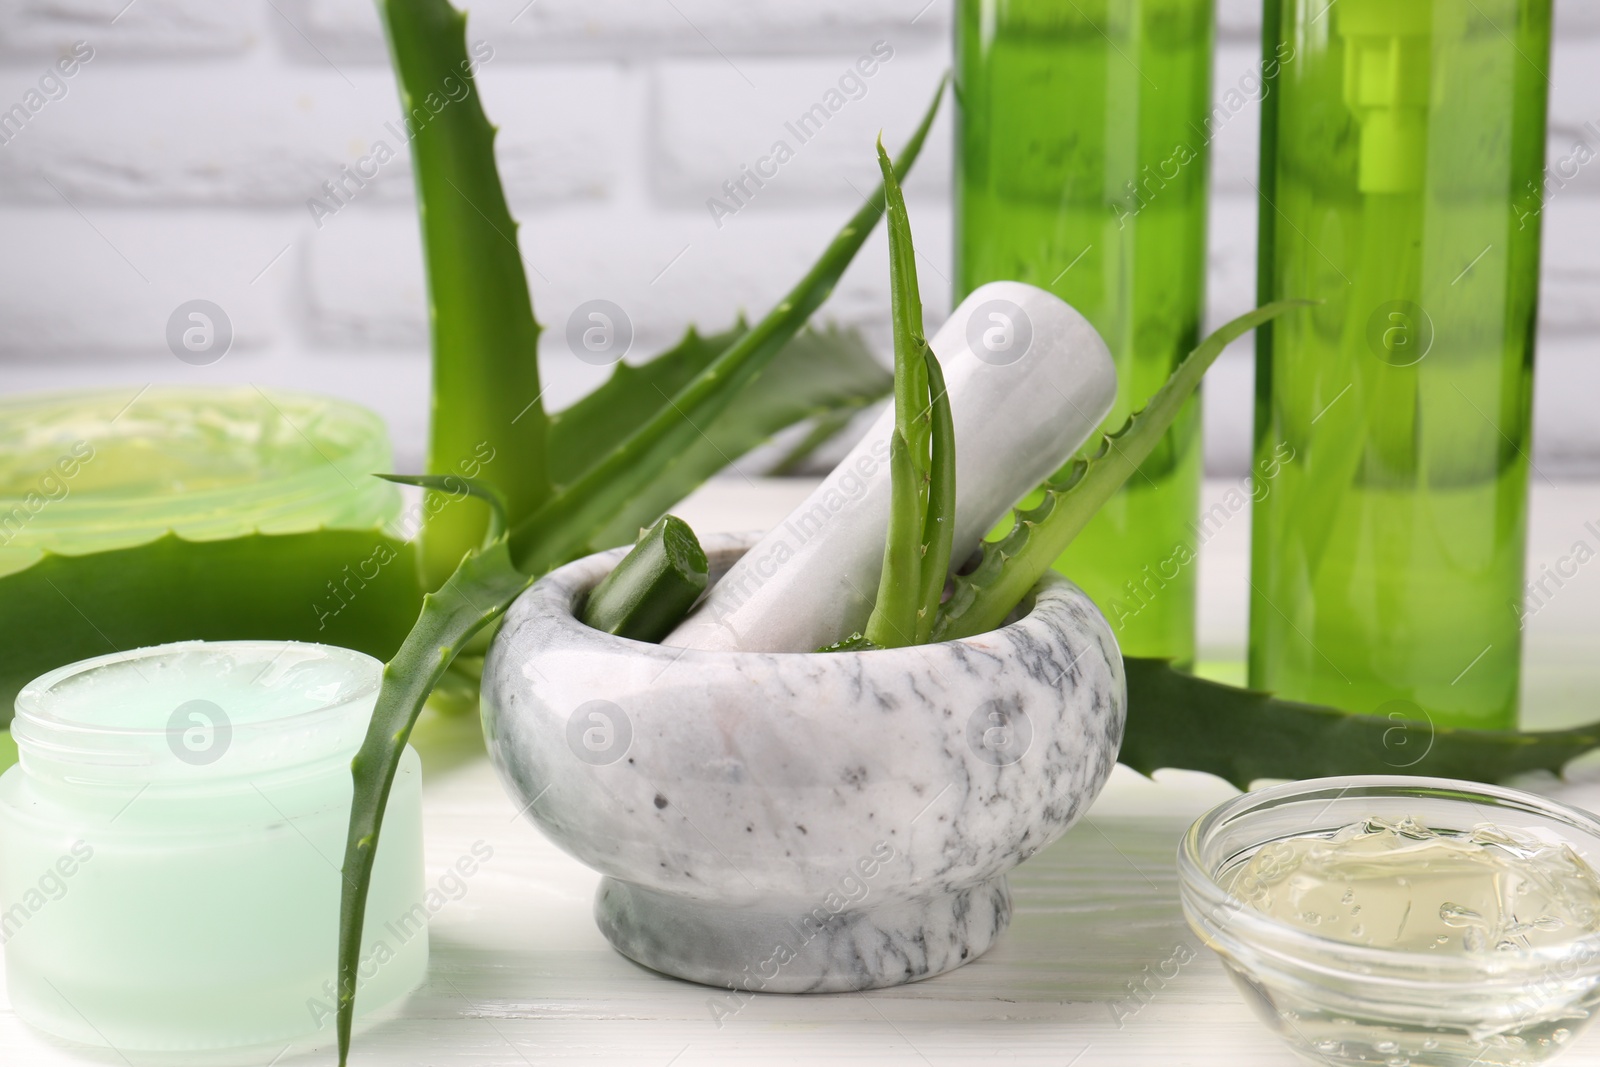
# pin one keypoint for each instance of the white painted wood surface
(520, 975)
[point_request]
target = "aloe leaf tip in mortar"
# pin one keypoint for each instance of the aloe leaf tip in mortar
(916, 554)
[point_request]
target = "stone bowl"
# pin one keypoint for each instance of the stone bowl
(802, 822)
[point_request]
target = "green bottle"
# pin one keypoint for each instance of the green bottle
(1402, 148)
(1081, 167)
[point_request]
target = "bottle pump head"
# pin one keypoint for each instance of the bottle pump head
(1387, 62)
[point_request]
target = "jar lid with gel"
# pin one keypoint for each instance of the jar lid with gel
(196, 714)
(89, 471)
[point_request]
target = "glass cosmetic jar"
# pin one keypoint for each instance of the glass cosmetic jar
(1343, 1003)
(171, 842)
(95, 470)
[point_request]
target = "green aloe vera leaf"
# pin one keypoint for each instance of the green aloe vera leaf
(896, 617)
(567, 524)
(456, 692)
(652, 588)
(1179, 720)
(485, 339)
(472, 598)
(817, 374)
(632, 394)
(8, 749)
(822, 371)
(1010, 566)
(938, 532)
(458, 486)
(824, 428)
(893, 621)
(354, 588)
(912, 419)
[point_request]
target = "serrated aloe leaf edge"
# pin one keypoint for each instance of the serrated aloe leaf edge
(917, 544)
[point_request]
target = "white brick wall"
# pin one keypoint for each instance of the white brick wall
(160, 30)
(179, 161)
(634, 30)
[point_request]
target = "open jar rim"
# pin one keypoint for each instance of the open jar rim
(324, 719)
(1204, 854)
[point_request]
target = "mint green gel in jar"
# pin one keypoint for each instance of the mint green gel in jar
(171, 841)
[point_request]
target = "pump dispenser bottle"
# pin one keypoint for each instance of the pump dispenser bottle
(1400, 172)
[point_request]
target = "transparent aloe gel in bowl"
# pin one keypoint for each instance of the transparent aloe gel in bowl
(170, 845)
(1409, 922)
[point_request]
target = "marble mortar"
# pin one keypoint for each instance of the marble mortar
(802, 822)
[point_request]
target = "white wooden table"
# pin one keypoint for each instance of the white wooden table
(519, 973)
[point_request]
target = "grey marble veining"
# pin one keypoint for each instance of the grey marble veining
(792, 822)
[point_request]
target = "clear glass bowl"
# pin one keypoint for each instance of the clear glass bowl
(1345, 1004)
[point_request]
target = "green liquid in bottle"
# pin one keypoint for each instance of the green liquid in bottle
(1081, 168)
(1402, 146)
